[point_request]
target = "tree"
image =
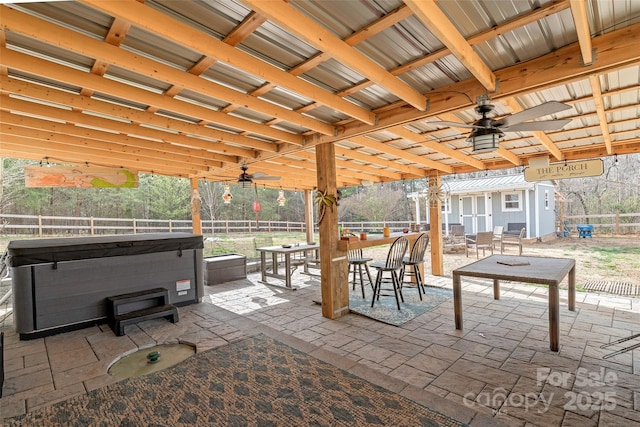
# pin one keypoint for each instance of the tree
(375, 203)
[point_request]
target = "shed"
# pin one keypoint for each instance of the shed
(480, 204)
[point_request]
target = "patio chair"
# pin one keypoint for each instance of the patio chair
(483, 240)
(411, 264)
(356, 262)
(497, 235)
(392, 266)
(457, 233)
(508, 240)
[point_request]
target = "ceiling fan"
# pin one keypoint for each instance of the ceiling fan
(246, 179)
(487, 131)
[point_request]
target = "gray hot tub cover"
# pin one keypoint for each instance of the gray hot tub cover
(41, 251)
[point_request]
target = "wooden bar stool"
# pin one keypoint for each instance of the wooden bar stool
(411, 264)
(356, 262)
(393, 266)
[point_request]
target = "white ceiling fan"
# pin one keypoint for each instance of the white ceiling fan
(246, 179)
(486, 131)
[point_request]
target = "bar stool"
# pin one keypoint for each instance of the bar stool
(413, 261)
(356, 261)
(392, 265)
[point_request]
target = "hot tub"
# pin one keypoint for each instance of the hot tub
(61, 283)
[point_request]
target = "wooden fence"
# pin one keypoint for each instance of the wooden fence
(607, 223)
(43, 225)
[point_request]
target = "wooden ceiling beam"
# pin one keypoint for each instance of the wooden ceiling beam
(89, 105)
(401, 154)
(509, 156)
(161, 148)
(324, 40)
(33, 65)
(249, 24)
(86, 145)
(357, 37)
(64, 153)
(417, 138)
(156, 22)
(617, 50)
(430, 14)
(505, 27)
(170, 141)
(346, 168)
(369, 159)
(602, 116)
(581, 21)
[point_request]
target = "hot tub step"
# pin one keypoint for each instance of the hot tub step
(134, 307)
(169, 311)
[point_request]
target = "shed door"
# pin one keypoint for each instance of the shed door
(473, 213)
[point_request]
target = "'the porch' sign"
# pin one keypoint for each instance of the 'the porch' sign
(564, 170)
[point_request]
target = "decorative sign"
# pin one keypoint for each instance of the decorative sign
(79, 176)
(564, 170)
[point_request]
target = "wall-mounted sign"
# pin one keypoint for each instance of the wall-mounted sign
(79, 176)
(580, 169)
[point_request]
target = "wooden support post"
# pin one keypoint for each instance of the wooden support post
(196, 202)
(435, 221)
(334, 281)
(308, 214)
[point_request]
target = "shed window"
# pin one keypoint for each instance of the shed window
(511, 201)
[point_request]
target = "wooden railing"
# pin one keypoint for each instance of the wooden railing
(43, 225)
(617, 223)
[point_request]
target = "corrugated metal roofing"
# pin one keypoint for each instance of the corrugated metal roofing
(226, 43)
(498, 183)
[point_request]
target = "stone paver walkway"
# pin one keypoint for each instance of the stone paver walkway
(498, 370)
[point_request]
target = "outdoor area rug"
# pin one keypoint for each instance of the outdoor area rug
(254, 382)
(385, 310)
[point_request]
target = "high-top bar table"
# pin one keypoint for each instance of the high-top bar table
(528, 269)
(378, 240)
(287, 251)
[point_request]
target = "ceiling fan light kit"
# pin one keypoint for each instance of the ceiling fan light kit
(245, 180)
(484, 140)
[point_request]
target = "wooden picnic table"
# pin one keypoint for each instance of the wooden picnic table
(527, 269)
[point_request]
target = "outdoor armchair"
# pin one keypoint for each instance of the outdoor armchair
(483, 240)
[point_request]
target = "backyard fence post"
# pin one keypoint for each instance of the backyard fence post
(91, 226)
(135, 225)
(617, 222)
(40, 225)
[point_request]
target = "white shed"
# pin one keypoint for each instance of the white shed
(480, 204)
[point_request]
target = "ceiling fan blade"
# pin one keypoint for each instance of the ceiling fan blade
(264, 177)
(454, 125)
(541, 110)
(539, 125)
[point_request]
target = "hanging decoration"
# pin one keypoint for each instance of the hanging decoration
(281, 199)
(437, 192)
(323, 199)
(79, 176)
(257, 207)
(196, 201)
(226, 195)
